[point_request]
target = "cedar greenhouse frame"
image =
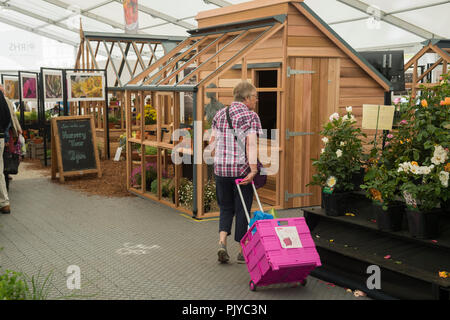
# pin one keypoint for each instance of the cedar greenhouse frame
(291, 56)
(91, 43)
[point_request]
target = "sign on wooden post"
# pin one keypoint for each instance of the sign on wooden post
(377, 117)
(74, 147)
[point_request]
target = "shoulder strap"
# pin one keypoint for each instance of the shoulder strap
(230, 124)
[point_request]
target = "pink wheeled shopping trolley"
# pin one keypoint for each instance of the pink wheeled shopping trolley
(278, 250)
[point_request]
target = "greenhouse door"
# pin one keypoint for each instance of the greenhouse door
(313, 94)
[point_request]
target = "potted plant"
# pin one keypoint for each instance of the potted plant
(339, 161)
(112, 120)
(113, 101)
(423, 165)
(380, 183)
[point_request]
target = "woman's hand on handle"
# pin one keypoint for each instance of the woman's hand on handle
(249, 178)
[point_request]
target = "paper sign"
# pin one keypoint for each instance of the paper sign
(378, 117)
(118, 154)
(288, 237)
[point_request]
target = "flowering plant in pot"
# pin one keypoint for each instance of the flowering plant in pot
(339, 161)
(423, 165)
(381, 181)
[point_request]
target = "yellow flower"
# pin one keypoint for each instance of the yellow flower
(424, 103)
(414, 163)
(331, 182)
(444, 274)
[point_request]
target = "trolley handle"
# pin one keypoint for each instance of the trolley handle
(238, 181)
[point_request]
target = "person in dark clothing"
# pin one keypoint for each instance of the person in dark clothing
(5, 122)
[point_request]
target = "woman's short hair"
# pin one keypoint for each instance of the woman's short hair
(243, 90)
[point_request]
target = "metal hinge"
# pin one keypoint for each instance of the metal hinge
(296, 134)
(294, 72)
(288, 195)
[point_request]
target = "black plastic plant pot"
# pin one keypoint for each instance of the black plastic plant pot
(358, 178)
(336, 204)
(390, 219)
(423, 225)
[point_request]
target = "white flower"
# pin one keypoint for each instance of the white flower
(322, 151)
(343, 144)
(325, 140)
(440, 155)
(349, 109)
(339, 153)
(424, 170)
(404, 167)
(414, 169)
(443, 176)
(334, 116)
(331, 181)
(347, 118)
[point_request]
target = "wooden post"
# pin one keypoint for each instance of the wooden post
(128, 135)
(199, 151)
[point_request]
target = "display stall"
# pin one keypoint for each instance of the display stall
(126, 55)
(303, 72)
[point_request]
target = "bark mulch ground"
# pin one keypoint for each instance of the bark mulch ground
(111, 184)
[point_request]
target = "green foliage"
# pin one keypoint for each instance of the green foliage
(36, 288)
(186, 193)
(423, 164)
(341, 157)
(113, 119)
(12, 286)
(414, 164)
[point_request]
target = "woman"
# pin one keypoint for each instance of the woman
(15, 127)
(231, 162)
(5, 120)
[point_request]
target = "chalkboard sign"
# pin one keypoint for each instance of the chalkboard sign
(73, 142)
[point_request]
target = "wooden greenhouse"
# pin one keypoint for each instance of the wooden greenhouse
(441, 49)
(126, 56)
(303, 72)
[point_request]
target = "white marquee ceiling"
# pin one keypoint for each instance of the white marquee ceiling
(364, 24)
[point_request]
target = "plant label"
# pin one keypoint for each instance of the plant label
(118, 154)
(289, 237)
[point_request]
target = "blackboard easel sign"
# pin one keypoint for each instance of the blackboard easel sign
(74, 147)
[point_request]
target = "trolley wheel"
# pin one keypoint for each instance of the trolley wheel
(252, 286)
(303, 282)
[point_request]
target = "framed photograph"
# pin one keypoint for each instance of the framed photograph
(29, 86)
(85, 86)
(53, 86)
(11, 85)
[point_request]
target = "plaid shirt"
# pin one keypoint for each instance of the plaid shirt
(230, 159)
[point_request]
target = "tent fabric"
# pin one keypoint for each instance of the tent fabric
(360, 29)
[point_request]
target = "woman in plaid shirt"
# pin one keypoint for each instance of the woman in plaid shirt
(231, 163)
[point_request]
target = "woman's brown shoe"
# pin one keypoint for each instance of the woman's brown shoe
(5, 210)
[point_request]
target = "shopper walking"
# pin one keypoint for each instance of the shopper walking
(231, 163)
(15, 128)
(5, 122)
